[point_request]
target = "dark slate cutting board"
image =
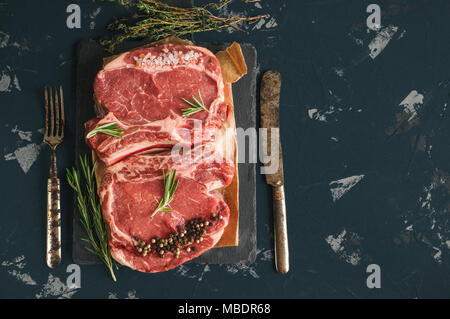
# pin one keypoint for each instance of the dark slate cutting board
(89, 61)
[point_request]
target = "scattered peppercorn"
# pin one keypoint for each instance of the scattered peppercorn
(193, 231)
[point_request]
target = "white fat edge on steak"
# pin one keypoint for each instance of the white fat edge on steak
(155, 162)
(168, 125)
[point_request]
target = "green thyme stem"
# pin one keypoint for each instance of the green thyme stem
(111, 128)
(91, 212)
(170, 186)
(157, 20)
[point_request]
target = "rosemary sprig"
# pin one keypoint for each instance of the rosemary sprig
(158, 20)
(170, 186)
(91, 212)
(111, 128)
(196, 105)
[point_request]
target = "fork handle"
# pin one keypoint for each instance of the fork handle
(53, 217)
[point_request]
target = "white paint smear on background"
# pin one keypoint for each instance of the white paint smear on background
(243, 269)
(225, 12)
(5, 82)
(15, 268)
(185, 271)
(336, 242)
(25, 156)
(358, 41)
(401, 34)
(353, 259)
(412, 103)
(193, 273)
(198, 272)
(272, 23)
(205, 270)
(23, 277)
(431, 218)
(340, 187)
(339, 72)
(259, 24)
(23, 135)
(381, 40)
(321, 116)
(131, 295)
(18, 262)
(265, 255)
(9, 80)
(92, 16)
(331, 110)
(6, 43)
(438, 255)
(55, 288)
(315, 115)
(4, 39)
(267, 23)
(337, 245)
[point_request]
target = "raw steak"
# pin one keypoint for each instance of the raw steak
(142, 91)
(130, 192)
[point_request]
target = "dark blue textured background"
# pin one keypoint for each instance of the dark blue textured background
(338, 109)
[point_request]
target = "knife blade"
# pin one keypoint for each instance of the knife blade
(270, 107)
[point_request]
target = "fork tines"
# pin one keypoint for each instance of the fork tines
(55, 133)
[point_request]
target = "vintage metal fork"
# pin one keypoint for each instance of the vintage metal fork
(53, 136)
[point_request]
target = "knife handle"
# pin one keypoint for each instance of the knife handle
(280, 230)
(53, 255)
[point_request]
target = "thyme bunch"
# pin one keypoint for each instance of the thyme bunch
(157, 20)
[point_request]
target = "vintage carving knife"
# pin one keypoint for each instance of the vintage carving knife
(270, 106)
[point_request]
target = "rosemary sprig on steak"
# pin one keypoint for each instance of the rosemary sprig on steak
(111, 128)
(196, 105)
(158, 20)
(91, 212)
(170, 186)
